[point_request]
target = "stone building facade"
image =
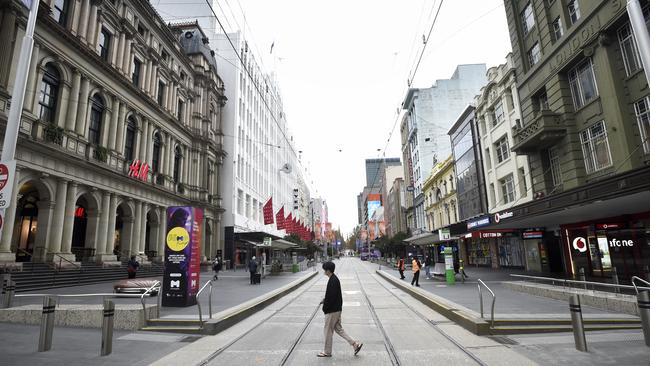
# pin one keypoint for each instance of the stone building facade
(507, 177)
(121, 120)
(440, 196)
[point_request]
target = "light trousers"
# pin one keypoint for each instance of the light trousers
(333, 324)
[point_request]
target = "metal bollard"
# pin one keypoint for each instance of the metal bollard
(47, 324)
(582, 277)
(643, 299)
(615, 278)
(8, 292)
(576, 322)
(107, 328)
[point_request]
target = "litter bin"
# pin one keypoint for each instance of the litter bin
(295, 268)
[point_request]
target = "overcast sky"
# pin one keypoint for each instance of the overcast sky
(343, 66)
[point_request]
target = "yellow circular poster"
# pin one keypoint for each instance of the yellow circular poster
(177, 239)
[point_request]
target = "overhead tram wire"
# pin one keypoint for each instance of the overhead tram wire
(426, 42)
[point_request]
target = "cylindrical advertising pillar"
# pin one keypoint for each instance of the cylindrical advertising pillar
(643, 300)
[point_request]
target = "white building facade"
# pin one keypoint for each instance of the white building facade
(507, 175)
(429, 113)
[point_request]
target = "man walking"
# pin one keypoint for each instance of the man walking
(427, 267)
(252, 268)
(332, 306)
(400, 267)
(416, 272)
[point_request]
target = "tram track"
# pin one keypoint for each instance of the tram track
(428, 321)
(219, 351)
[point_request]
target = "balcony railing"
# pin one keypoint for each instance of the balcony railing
(544, 131)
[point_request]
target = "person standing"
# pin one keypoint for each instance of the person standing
(400, 267)
(216, 267)
(416, 272)
(132, 267)
(252, 268)
(332, 307)
(427, 267)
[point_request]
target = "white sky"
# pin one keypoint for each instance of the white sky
(343, 66)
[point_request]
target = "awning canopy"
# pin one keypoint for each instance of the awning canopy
(282, 244)
(423, 239)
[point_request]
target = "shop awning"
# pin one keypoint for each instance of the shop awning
(282, 244)
(423, 239)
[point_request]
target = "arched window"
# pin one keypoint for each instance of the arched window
(129, 143)
(60, 11)
(96, 114)
(178, 157)
(155, 161)
(49, 93)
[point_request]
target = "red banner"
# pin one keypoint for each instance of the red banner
(279, 218)
(288, 224)
(328, 231)
(268, 212)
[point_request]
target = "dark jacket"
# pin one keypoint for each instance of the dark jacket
(133, 265)
(252, 266)
(333, 299)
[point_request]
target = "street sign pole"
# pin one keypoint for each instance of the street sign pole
(18, 94)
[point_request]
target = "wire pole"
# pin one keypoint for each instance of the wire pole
(18, 92)
(640, 34)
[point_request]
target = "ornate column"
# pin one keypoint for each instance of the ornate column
(163, 152)
(44, 227)
(8, 224)
(56, 236)
(149, 152)
(68, 222)
(102, 230)
(80, 125)
(120, 51)
(145, 76)
(143, 228)
(106, 123)
(144, 140)
(186, 164)
(32, 82)
(153, 86)
(127, 56)
(83, 22)
(138, 141)
(74, 101)
(134, 245)
(6, 41)
(170, 158)
(115, 112)
(110, 234)
(162, 234)
(92, 25)
(119, 141)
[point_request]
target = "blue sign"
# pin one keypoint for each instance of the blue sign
(483, 221)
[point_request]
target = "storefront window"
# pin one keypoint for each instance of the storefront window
(511, 252)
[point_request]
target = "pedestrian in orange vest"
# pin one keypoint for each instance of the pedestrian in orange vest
(416, 272)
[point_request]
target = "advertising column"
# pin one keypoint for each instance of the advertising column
(182, 256)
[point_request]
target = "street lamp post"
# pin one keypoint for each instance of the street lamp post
(640, 34)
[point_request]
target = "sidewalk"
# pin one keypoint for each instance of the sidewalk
(232, 288)
(81, 346)
(509, 304)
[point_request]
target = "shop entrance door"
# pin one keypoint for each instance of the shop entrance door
(554, 252)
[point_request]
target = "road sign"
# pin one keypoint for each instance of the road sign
(1, 218)
(410, 188)
(7, 172)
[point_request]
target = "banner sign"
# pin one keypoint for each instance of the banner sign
(7, 173)
(182, 256)
(268, 212)
(279, 219)
(483, 221)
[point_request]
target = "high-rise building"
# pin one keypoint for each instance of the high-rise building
(429, 113)
(375, 170)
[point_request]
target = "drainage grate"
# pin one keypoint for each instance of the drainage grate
(503, 340)
(190, 339)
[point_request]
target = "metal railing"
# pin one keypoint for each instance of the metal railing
(636, 288)
(480, 297)
(565, 282)
(142, 298)
(198, 303)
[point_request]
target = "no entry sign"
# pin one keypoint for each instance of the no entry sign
(7, 172)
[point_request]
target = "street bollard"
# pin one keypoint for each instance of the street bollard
(107, 328)
(47, 324)
(461, 270)
(576, 322)
(643, 299)
(615, 278)
(8, 292)
(581, 276)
